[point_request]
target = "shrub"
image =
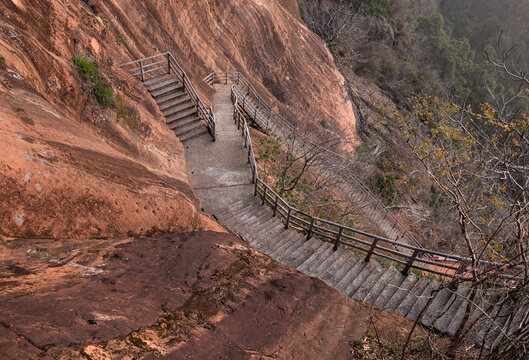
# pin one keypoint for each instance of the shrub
(384, 184)
(104, 94)
(89, 70)
(301, 9)
(325, 124)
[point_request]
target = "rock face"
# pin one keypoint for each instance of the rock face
(73, 169)
(201, 295)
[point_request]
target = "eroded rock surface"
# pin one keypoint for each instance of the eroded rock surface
(197, 295)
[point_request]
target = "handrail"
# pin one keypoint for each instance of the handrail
(151, 66)
(371, 245)
(266, 117)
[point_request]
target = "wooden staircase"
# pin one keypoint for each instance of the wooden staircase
(176, 105)
(373, 282)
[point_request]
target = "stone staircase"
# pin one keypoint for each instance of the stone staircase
(372, 282)
(176, 105)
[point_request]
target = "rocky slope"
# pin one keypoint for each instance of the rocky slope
(201, 295)
(71, 168)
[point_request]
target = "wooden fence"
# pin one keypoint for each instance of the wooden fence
(165, 63)
(408, 256)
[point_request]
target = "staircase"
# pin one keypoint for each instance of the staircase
(373, 282)
(176, 105)
(169, 85)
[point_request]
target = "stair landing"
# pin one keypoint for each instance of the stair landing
(218, 170)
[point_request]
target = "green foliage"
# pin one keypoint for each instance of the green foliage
(384, 184)
(377, 8)
(301, 9)
(89, 70)
(104, 94)
(324, 124)
(121, 39)
(436, 197)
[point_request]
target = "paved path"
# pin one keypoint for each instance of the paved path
(218, 170)
(222, 179)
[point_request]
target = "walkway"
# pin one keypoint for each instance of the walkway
(221, 177)
(218, 170)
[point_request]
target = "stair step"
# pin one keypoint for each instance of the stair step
(496, 332)
(316, 259)
(157, 79)
(437, 307)
(456, 304)
(174, 101)
(302, 253)
(456, 318)
(180, 115)
(348, 277)
(413, 296)
(390, 289)
(366, 286)
(171, 88)
(225, 213)
(260, 230)
(278, 242)
(176, 126)
(180, 108)
(271, 236)
(235, 212)
(200, 130)
(382, 282)
(326, 263)
(163, 100)
(298, 241)
(360, 279)
(242, 219)
(189, 128)
(401, 292)
(162, 83)
(520, 319)
(313, 258)
(261, 217)
(290, 237)
(344, 259)
(423, 300)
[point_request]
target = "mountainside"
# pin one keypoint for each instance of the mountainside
(74, 168)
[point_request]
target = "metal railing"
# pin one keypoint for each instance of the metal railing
(267, 118)
(166, 64)
(408, 256)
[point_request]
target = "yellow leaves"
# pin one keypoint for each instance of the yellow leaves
(497, 202)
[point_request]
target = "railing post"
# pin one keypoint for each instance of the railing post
(288, 217)
(275, 204)
(264, 194)
(309, 233)
(338, 237)
(168, 63)
(238, 78)
(410, 261)
(256, 185)
(371, 250)
(226, 78)
(249, 155)
(142, 73)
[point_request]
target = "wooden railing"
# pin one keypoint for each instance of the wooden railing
(166, 64)
(408, 256)
(267, 118)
